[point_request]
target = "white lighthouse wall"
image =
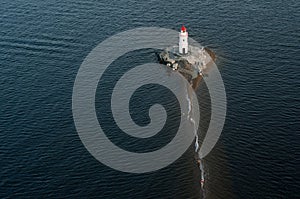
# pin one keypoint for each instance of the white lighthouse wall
(183, 42)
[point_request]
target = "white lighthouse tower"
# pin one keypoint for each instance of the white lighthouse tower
(183, 41)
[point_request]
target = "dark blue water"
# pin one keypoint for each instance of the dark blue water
(42, 45)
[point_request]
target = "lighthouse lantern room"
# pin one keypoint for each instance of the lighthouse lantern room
(183, 41)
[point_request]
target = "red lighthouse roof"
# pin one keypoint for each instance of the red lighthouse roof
(183, 29)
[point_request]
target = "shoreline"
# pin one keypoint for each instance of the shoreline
(192, 67)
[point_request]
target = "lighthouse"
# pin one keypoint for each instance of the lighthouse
(183, 41)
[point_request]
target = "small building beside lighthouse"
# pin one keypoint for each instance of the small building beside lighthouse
(183, 41)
